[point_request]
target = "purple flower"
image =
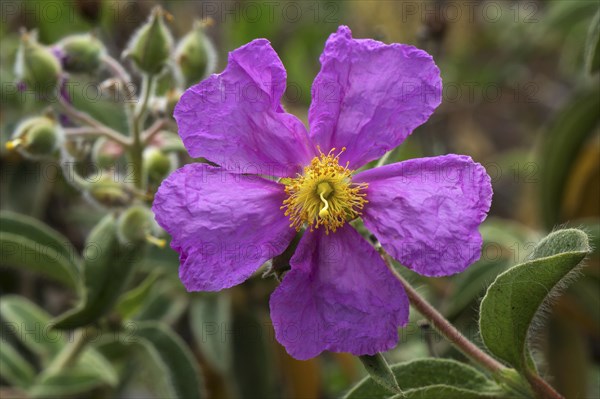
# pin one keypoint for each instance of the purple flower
(276, 177)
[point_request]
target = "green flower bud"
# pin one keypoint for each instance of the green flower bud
(196, 55)
(109, 193)
(37, 136)
(106, 153)
(36, 66)
(172, 98)
(136, 225)
(157, 164)
(81, 53)
(150, 47)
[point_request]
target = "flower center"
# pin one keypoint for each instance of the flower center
(323, 195)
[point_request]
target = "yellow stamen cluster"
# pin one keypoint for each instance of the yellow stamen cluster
(323, 195)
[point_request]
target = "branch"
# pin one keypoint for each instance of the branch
(95, 132)
(88, 120)
(153, 130)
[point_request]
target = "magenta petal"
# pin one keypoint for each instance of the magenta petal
(235, 119)
(339, 296)
(425, 212)
(368, 96)
(225, 226)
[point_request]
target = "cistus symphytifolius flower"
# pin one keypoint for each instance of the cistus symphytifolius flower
(276, 177)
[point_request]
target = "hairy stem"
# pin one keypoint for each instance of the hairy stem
(69, 355)
(440, 323)
(137, 121)
(541, 387)
(87, 120)
(92, 132)
(153, 130)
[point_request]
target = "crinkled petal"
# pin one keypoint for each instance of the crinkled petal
(339, 296)
(235, 119)
(426, 212)
(224, 225)
(369, 96)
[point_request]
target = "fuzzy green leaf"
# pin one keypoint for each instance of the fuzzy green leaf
(132, 301)
(430, 378)
(92, 370)
(517, 295)
(28, 243)
(380, 372)
(32, 326)
(169, 359)
(14, 369)
(592, 46)
(559, 149)
(210, 319)
(108, 267)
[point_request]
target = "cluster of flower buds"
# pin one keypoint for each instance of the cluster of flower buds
(129, 166)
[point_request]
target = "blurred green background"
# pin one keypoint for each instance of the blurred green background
(521, 96)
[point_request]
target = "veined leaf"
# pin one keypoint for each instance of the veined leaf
(211, 321)
(169, 359)
(430, 378)
(14, 369)
(26, 242)
(108, 266)
(592, 46)
(91, 371)
(513, 300)
(560, 147)
(32, 326)
(132, 301)
(380, 372)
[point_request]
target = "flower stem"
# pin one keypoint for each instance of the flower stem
(542, 388)
(88, 120)
(442, 325)
(137, 147)
(69, 355)
(451, 333)
(95, 132)
(153, 130)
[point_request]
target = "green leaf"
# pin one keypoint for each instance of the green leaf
(28, 243)
(132, 301)
(108, 267)
(430, 378)
(32, 326)
(592, 46)
(210, 319)
(73, 382)
(253, 365)
(91, 371)
(163, 304)
(170, 360)
(516, 296)
(380, 371)
(14, 369)
(560, 147)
